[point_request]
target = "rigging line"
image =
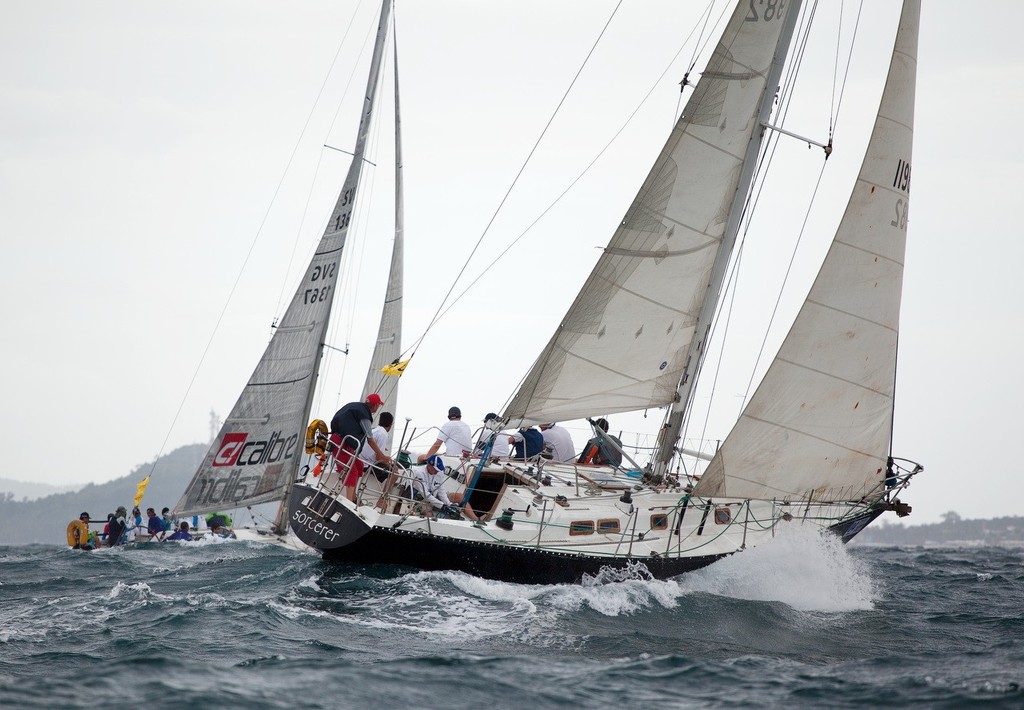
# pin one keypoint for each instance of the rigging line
(515, 180)
(309, 117)
(785, 280)
(849, 61)
(245, 261)
(835, 67)
(564, 192)
(800, 234)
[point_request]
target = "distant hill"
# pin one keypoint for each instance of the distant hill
(45, 520)
(29, 490)
(952, 530)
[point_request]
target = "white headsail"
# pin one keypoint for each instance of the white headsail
(255, 456)
(624, 343)
(819, 425)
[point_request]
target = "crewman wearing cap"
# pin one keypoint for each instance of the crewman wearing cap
(428, 482)
(350, 427)
(455, 435)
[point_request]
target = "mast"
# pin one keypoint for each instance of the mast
(623, 344)
(388, 347)
(698, 346)
(255, 456)
(337, 228)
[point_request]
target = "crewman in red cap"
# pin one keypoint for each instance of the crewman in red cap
(350, 427)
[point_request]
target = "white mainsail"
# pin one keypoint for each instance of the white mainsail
(255, 456)
(820, 423)
(388, 347)
(625, 342)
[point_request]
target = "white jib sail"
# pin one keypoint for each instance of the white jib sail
(819, 425)
(622, 346)
(256, 453)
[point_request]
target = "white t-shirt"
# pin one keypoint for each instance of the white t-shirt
(562, 448)
(456, 437)
(431, 486)
(500, 447)
(380, 436)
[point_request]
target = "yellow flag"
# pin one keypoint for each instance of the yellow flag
(142, 489)
(395, 368)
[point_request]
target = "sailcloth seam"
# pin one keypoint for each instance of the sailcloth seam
(852, 315)
(867, 251)
(808, 435)
(623, 289)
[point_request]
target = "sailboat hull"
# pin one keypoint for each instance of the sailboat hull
(532, 538)
(521, 565)
(848, 529)
(322, 521)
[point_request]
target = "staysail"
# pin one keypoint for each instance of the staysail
(255, 456)
(819, 425)
(388, 347)
(625, 341)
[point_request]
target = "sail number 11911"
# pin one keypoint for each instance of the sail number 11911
(901, 182)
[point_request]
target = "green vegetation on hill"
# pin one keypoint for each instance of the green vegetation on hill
(45, 520)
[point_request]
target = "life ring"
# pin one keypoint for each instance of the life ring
(78, 533)
(316, 437)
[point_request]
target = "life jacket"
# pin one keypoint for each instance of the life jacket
(78, 533)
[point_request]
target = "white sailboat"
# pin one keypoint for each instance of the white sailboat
(257, 454)
(811, 447)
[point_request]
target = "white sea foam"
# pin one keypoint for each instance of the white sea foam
(799, 567)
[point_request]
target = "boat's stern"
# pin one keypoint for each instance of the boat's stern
(322, 521)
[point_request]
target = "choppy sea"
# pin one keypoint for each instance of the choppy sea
(801, 621)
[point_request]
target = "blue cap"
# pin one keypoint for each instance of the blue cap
(436, 462)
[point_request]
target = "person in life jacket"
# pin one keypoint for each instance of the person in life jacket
(78, 533)
(599, 450)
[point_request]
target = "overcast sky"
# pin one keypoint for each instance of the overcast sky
(142, 146)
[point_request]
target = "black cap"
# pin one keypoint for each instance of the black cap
(85, 515)
(490, 416)
(454, 412)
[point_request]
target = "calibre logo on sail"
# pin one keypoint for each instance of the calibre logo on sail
(237, 450)
(230, 448)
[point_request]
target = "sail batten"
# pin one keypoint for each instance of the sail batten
(820, 421)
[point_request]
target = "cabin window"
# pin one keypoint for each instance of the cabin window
(659, 521)
(581, 527)
(611, 525)
(722, 516)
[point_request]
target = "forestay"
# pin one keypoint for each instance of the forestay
(623, 344)
(256, 453)
(820, 423)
